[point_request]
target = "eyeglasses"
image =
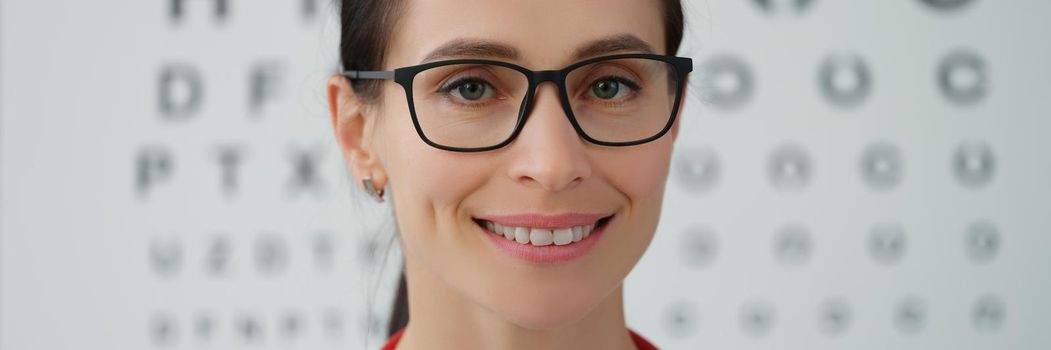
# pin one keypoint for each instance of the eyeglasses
(473, 105)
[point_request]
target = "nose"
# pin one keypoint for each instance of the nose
(548, 152)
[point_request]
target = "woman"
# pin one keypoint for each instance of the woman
(525, 146)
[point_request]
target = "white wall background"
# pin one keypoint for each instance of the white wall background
(811, 206)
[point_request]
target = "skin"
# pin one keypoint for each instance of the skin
(462, 293)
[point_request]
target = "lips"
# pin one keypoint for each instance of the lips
(540, 230)
(544, 239)
(545, 221)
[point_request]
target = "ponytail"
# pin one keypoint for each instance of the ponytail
(399, 313)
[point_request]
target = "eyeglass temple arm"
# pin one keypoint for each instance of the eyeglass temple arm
(368, 74)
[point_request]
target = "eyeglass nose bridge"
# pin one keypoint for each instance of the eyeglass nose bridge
(536, 78)
(554, 76)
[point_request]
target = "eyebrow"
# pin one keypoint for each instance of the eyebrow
(623, 42)
(492, 49)
(472, 48)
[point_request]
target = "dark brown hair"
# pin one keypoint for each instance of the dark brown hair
(366, 27)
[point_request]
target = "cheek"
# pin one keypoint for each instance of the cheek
(427, 184)
(639, 172)
(419, 173)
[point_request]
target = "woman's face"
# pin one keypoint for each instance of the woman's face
(548, 170)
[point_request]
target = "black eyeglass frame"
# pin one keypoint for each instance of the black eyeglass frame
(404, 76)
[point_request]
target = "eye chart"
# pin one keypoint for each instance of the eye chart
(849, 175)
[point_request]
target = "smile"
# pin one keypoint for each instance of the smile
(542, 231)
(544, 240)
(541, 236)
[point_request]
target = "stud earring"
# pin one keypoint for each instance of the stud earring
(371, 189)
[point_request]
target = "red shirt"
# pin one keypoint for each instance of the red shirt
(640, 342)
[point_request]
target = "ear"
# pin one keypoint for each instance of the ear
(353, 130)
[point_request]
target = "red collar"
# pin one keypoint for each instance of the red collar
(640, 342)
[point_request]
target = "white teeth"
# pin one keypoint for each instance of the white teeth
(522, 235)
(563, 236)
(539, 236)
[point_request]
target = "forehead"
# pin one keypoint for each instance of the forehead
(545, 34)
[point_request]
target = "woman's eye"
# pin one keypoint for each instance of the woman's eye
(470, 89)
(611, 88)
